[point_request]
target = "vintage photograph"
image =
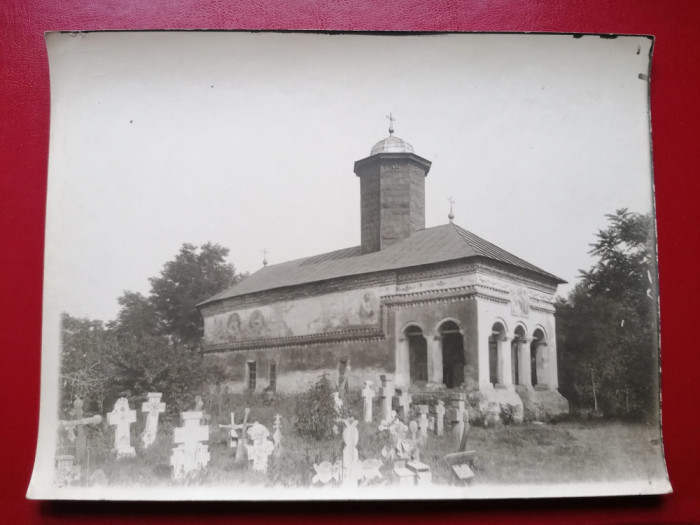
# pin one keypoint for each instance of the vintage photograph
(349, 266)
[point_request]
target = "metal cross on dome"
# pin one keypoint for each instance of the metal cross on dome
(392, 119)
(451, 215)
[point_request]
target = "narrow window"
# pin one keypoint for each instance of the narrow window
(273, 375)
(252, 371)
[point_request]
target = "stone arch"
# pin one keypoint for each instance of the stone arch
(538, 355)
(417, 352)
(499, 329)
(452, 352)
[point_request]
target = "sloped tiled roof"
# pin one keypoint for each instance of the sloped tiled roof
(429, 246)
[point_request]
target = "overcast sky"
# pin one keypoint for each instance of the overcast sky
(249, 140)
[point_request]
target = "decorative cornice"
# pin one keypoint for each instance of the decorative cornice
(296, 341)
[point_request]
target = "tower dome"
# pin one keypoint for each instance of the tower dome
(391, 144)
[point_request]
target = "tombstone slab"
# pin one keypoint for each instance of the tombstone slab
(368, 397)
(421, 471)
(386, 393)
(121, 417)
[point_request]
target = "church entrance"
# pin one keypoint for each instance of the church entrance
(452, 354)
(417, 354)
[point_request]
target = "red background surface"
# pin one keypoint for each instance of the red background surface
(24, 135)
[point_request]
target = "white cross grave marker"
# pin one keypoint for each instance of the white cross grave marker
(352, 468)
(386, 393)
(122, 417)
(423, 423)
(439, 418)
(368, 397)
(76, 432)
(232, 431)
(277, 434)
(261, 448)
(153, 407)
(190, 454)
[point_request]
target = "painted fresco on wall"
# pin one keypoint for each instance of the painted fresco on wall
(519, 301)
(307, 316)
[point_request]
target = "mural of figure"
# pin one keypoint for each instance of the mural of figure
(256, 322)
(367, 311)
(233, 327)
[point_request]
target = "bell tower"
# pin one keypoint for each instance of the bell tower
(392, 192)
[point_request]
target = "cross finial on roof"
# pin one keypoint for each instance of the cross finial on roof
(392, 119)
(264, 252)
(451, 215)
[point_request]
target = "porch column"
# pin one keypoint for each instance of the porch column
(482, 348)
(505, 366)
(402, 377)
(435, 360)
(524, 365)
(553, 370)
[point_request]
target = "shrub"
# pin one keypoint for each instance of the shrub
(315, 412)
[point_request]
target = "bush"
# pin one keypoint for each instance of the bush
(315, 412)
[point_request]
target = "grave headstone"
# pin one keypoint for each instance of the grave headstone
(439, 418)
(461, 463)
(259, 448)
(153, 408)
(76, 430)
(232, 437)
(413, 428)
(368, 398)
(423, 422)
(191, 453)
(241, 448)
(66, 471)
(404, 476)
(277, 434)
(352, 469)
(121, 417)
(386, 393)
(456, 417)
(98, 479)
(402, 404)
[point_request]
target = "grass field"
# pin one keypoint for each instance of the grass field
(530, 453)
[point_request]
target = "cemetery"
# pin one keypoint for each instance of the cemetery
(377, 437)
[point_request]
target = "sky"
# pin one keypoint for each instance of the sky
(249, 139)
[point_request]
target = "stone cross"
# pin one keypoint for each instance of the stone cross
(403, 399)
(439, 418)
(198, 404)
(368, 397)
(241, 442)
(75, 429)
(191, 453)
(277, 434)
(456, 416)
(386, 392)
(423, 422)
(338, 403)
(232, 433)
(153, 407)
(413, 428)
(260, 448)
(352, 468)
(370, 469)
(122, 417)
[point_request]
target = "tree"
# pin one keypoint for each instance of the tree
(607, 327)
(83, 354)
(194, 275)
(137, 318)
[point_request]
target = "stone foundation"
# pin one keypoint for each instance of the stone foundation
(542, 405)
(492, 406)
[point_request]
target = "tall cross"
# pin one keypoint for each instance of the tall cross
(391, 118)
(264, 252)
(451, 215)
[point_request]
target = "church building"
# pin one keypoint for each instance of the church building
(434, 308)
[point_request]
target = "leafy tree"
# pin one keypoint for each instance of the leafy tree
(315, 412)
(137, 318)
(607, 327)
(83, 353)
(194, 275)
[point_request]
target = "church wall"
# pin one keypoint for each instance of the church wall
(298, 368)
